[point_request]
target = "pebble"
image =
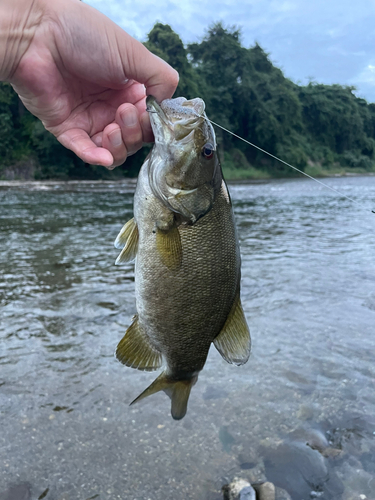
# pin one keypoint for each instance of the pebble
(266, 491)
(239, 489)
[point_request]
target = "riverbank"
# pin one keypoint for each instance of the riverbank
(242, 176)
(313, 170)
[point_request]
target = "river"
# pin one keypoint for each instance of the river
(300, 413)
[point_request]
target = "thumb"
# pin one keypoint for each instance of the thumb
(139, 64)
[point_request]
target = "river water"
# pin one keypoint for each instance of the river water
(300, 413)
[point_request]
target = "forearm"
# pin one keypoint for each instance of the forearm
(19, 20)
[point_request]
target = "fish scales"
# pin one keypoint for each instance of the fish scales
(190, 304)
(187, 270)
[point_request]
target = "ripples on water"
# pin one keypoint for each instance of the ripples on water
(301, 412)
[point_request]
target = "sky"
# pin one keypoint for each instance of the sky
(327, 41)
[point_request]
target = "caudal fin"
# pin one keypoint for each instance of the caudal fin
(177, 390)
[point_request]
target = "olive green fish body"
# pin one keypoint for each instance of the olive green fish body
(183, 310)
(187, 271)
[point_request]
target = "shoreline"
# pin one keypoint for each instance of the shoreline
(126, 181)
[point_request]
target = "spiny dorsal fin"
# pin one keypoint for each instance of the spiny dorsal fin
(233, 342)
(168, 244)
(135, 350)
(127, 238)
(177, 390)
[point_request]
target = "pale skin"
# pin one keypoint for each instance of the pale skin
(82, 75)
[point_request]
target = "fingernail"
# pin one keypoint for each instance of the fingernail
(115, 138)
(129, 118)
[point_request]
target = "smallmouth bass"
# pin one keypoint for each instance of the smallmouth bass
(187, 270)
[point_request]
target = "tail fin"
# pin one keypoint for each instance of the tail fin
(177, 390)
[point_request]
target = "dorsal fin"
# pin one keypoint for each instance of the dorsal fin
(233, 342)
(136, 351)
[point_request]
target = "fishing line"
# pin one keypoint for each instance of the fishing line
(280, 160)
(291, 166)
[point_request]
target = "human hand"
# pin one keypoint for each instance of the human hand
(87, 80)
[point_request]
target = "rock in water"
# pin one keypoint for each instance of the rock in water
(20, 492)
(239, 489)
(266, 491)
(281, 494)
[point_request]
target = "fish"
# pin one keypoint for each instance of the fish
(184, 241)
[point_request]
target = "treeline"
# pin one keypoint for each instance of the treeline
(319, 128)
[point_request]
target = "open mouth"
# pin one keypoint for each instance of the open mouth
(176, 113)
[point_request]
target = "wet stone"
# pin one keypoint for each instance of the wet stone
(314, 438)
(295, 466)
(266, 491)
(239, 489)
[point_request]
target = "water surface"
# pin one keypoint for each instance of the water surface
(300, 413)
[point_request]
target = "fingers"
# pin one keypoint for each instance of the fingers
(78, 141)
(124, 137)
(127, 118)
(163, 82)
(115, 143)
(112, 140)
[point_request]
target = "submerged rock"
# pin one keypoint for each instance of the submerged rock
(239, 489)
(299, 464)
(266, 491)
(295, 467)
(281, 494)
(19, 492)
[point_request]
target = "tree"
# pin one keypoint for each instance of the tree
(165, 43)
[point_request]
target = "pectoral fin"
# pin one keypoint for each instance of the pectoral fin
(168, 244)
(124, 234)
(135, 350)
(128, 241)
(233, 342)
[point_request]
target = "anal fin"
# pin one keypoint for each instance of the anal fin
(127, 239)
(233, 342)
(135, 350)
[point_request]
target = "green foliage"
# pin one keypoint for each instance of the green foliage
(235, 166)
(317, 128)
(165, 43)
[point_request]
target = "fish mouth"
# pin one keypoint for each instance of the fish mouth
(152, 106)
(173, 114)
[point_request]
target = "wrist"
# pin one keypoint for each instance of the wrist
(19, 20)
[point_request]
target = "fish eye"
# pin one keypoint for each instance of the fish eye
(208, 151)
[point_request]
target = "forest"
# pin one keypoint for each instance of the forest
(320, 129)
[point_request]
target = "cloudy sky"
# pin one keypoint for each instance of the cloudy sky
(328, 41)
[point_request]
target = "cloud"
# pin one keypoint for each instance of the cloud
(365, 82)
(331, 41)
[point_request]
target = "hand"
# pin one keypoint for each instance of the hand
(87, 80)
